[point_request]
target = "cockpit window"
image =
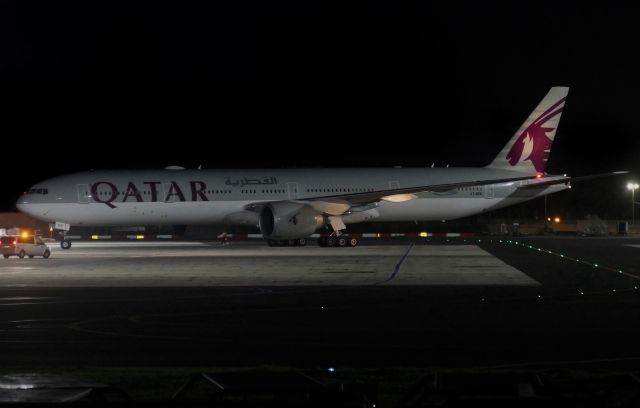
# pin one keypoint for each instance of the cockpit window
(38, 191)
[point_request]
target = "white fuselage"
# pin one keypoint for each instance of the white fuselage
(188, 197)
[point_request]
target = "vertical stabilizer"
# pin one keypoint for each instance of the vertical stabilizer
(528, 150)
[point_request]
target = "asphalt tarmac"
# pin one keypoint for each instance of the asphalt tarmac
(450, 303)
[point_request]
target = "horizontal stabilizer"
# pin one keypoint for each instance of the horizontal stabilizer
(566, 180)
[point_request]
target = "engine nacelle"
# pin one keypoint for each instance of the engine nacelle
(285, 220)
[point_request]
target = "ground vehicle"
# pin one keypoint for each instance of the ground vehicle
(23, 245)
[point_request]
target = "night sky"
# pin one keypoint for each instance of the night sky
(132, 84)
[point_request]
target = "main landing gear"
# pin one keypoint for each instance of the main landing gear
(338, 241)
(287, 242)
(65, 244)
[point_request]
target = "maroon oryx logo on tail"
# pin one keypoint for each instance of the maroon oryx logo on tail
(534, 144)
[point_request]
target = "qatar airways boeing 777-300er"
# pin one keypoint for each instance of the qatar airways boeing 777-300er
(290, 205)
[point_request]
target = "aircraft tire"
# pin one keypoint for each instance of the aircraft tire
(341, 242)
(331, 241)
(353, 242)
(302, 242)
(21, 254)
(65, 244)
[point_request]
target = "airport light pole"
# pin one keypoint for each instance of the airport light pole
(633, 187)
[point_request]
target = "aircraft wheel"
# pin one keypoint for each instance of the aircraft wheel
(65, 244)
(353, 242)
(21, 254)
(331, 241)
(341, 242)
(302, 241)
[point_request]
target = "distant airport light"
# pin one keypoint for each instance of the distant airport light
(139, 236)
(549, 219)
(633, 186)
(94, 237)
(331, 369)
(424, 234)
(556, 220)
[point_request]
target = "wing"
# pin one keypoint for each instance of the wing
(340, 203)
(396, 194)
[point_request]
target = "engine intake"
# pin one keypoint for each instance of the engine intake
(285, 220)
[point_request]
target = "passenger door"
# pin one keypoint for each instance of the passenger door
(84, 194)
(292, 187)
(488, 191)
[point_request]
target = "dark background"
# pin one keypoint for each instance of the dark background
(134, 84)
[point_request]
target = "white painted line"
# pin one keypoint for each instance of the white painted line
(130, 244)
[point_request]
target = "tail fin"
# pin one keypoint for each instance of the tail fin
(528, 150)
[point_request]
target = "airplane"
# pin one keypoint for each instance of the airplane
(289, 205)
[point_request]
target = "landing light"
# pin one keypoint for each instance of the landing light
(556, 220)
(424, 234)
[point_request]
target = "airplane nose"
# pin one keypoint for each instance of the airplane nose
(21, 206)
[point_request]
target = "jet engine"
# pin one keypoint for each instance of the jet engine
(285, 220)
